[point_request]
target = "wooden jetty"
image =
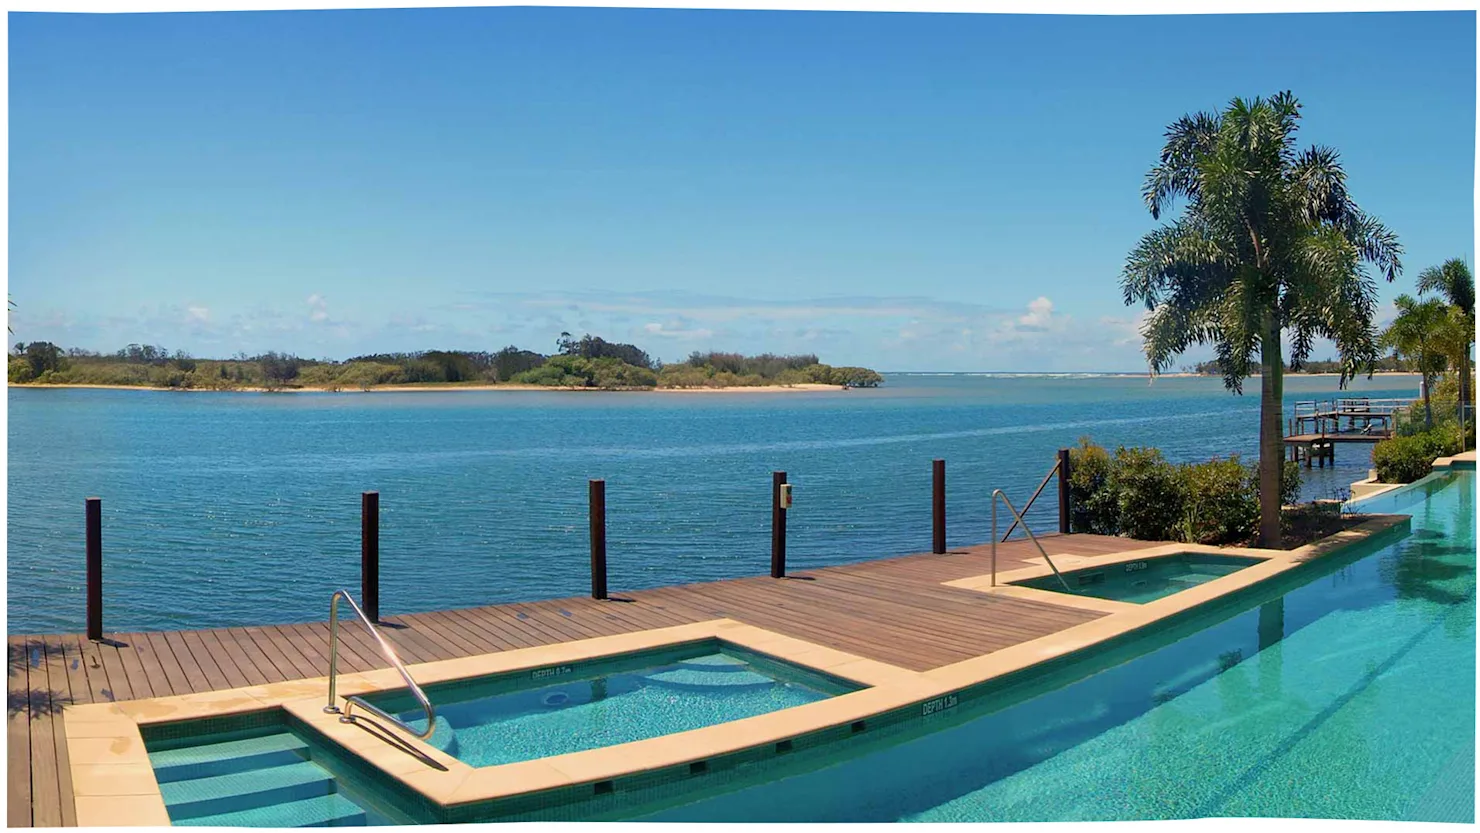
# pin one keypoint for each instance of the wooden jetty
(1318, 426)
(895, 610)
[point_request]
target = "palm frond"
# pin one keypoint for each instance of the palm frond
(1188, 139)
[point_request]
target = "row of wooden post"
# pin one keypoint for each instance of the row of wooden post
(370, 539)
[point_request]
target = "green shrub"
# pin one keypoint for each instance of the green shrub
(1148, 492)
(1220, 502)
(1406, 459)
(1092, 505)
(1138, 494)
(20, 371)
(1289, 484)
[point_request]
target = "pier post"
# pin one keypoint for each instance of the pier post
(778, 526)
(1064, 491)
(938, 506)
(598, 538)
(370, 554)
(95, 569)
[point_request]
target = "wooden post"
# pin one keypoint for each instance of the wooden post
(598, 539)
(938, 506)
(1064, 491)
(370, 554)
(778, 526)
(95, 569)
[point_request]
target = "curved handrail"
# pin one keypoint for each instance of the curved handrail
(390, 654)
(998, 493)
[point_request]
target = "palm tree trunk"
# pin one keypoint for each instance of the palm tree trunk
(1271, 441)
(1462, 369)
(1428, 412)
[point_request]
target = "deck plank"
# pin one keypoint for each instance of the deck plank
(19, 761)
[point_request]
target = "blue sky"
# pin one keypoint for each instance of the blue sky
(902, 191)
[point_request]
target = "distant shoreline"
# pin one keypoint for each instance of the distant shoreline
(807, 387)
(1289, 374)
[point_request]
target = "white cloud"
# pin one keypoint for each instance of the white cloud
(198, 314)
(676, 330)
(1039, 315)
(318, 308)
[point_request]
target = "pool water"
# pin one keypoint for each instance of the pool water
(1351, 697)
(265, 776)
(1139, 582)
(484, 723)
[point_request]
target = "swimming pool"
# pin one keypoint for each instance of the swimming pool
(509, 718)
(1350, 696)
(259, 770)
(1138, 582)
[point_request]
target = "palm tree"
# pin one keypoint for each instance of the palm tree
(1454, 281)
(1417, 334)
(1269, 241)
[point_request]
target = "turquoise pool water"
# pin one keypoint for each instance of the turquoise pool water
(1139, 582)
(266, 775)
(503, 720)
(1350, 697)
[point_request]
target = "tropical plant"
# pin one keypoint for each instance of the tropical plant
(1454, 281)
(1406, 459)
(1269, 240)
(1416, 335)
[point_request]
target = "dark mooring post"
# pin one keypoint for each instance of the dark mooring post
(370, 554)
(778, 525)
(938, 506)
(95, 569)
(598, 539)
(1064, 491)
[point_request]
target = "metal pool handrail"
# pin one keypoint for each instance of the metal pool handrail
(1057, 464)
(390, 654)
(998, 493)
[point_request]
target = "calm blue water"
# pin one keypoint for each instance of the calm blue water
(1351, 697)
(607, 710)
(231, 509)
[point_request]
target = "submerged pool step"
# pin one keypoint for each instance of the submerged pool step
(245, 790)
(709, 677)
(205, 761)
(320, 811)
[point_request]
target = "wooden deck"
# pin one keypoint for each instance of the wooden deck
(893, 610)
(1349, 437)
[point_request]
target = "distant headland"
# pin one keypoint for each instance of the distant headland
(586, 363)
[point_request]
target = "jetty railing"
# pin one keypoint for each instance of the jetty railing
(1325, 416)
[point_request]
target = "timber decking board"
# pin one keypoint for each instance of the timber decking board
(893, 610)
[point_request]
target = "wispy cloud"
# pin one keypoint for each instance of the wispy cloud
(318, 308)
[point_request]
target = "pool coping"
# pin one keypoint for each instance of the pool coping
(114, 783)
(1371, 487)
(1007, 582)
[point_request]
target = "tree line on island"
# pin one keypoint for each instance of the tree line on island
(589, 362)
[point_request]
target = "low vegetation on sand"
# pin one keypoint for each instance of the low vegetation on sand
(588, 362)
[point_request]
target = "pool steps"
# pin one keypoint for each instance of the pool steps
(267, 781)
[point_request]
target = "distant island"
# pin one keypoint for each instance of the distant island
(586, 363)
